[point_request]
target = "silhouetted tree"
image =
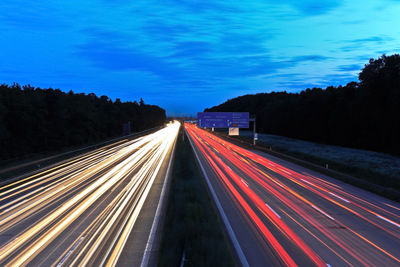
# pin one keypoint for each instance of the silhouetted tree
(362, 115)
(39, 120)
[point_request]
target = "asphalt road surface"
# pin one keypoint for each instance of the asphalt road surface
(278, 213)
(86, 211)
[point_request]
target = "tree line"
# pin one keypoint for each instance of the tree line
(363, 114)
(34, 120)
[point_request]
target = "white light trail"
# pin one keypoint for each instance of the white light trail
(130, 167)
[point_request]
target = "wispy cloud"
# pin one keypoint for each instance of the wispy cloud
(374, 39)
(303, 58)
(211, 49)
(31, 15)
(313, 7)
(112, 57)
(350, 67)
(354, 44)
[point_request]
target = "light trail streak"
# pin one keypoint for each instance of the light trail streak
(269, 214)
(324, 213)
(273, 210)
(296, 177)
(69, 252)
(391, 206)
(389, 221)
(345, 200)
(322, 242)
(265, 184)
(119, 177)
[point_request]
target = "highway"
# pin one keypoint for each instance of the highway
(86, 211)
(280, 214)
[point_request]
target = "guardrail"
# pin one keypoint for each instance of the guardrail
(39, 164)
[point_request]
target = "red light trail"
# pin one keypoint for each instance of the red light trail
(297, 213)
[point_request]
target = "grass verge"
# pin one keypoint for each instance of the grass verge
(191, 224)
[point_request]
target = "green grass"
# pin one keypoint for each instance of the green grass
(378, 183)
(191, 223)
(365, 174)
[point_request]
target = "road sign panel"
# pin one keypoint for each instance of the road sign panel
(223, 119)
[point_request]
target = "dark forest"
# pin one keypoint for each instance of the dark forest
(364, 114)
(34, 120)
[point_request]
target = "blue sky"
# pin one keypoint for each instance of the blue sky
(186, 55)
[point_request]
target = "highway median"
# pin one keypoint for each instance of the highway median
(193, 234)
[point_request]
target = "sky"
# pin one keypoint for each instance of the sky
(187, 55)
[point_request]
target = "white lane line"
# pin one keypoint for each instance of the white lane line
(228, 226)
(308, 182)
(160, 207)
(389, 221)
(70, 251)
(328, 265)
(273, 210)
(345, 200)
(285, 171)
(245, 183)
(323, 212)
(277, 183)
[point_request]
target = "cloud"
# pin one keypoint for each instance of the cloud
(308, 58)
(322, 82)
(229, 66)
(33, 15)
(244, 43)
(350, 67)
(356, 44)
(191, 49)
(295, 86)
(164, 31)
(97, 33)
(315, 7)
(338, 79)
(310, 7)
(117, 58)
(354, 21)
(203, 5)
(374, 39)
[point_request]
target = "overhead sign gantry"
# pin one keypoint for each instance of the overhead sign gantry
(223, 119)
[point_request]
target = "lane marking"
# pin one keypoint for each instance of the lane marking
(160, 207)
(308, 182)
(277, 183)
(285, 171)
(228, 226)
(273, 210)
(345, 200)
(70, 251)
(245, 183)
(323, 212)
(389, 221)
